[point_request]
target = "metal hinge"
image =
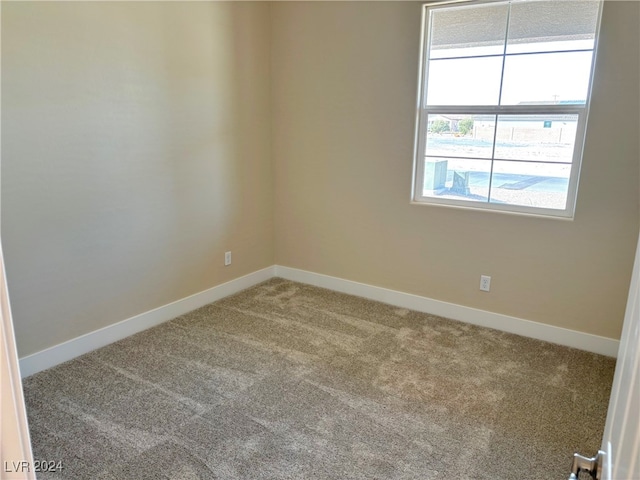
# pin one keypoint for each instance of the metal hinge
(592, 466)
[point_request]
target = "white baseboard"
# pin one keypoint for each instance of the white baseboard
(99, 338)
(62, 352)
(526, 328)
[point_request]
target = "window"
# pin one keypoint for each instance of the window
(502, 105)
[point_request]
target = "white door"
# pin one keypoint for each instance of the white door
(621, 440)
(16, 460)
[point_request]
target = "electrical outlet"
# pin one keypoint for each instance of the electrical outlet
(485, 283)
(227, 259)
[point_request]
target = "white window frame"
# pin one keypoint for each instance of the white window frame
(422, 112)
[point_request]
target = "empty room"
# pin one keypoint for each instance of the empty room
(320, 240)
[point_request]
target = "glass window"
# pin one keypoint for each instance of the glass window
(504, 97)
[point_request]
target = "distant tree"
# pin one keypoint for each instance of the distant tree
(465, 126)
(439, 126)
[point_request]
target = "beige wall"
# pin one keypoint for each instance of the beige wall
(344, 86)
(135, 151)
(139, 141)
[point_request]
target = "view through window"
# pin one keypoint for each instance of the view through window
(503, 103)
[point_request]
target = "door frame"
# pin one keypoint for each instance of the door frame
(16, 456)
(621, 438)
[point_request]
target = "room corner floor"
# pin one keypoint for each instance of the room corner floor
(289, 381)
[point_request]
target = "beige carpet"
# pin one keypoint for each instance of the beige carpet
(288, 381)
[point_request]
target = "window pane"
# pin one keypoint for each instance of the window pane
(544, 26)
(464, 136)
(463, 32)
(523, 67)
(545, 138)
(464, 81)
(539, 185)
(546, 78)
(458, 179)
